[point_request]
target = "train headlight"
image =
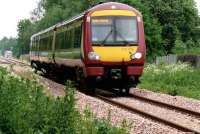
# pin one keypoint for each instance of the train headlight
(93, 56)
(137, 56)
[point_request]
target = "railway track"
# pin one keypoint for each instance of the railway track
(4, 62)
(171, 123)
(169, 106)
(178, 125)
(12, 61)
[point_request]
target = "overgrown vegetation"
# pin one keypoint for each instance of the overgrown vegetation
(24, 109)
(187, 48)
(166, 21)
(174, 79)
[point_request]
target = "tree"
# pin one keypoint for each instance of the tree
(177, 17)
(25, 30)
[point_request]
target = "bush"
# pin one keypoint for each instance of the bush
(189, 48)
(180, 47)
(24, 109)
(174, 79)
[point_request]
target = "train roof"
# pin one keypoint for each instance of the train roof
(114, 5)
(59, 24)
(103, 6)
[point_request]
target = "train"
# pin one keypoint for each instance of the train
(104, 44)
(8, 54)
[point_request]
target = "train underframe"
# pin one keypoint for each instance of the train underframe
(90, 78)
(114, 77)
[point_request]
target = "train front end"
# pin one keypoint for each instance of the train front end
(114, 44)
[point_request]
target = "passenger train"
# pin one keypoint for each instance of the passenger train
(103, 44)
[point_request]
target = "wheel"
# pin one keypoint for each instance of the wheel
(87, 85)
(124, 91)
(34, 66)
(127, 84)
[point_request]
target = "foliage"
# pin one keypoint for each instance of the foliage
(178, 17)
(189, 47)
(24, 109)
(25, 30)
(174, 79)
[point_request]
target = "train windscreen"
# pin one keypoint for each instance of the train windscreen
(114, 30)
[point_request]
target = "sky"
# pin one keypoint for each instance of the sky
(12, 11)
(198, 5)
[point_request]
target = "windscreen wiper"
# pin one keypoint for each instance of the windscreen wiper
(107, 36)
(122, 37)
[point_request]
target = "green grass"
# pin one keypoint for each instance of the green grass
(174, 79)
(24, 109)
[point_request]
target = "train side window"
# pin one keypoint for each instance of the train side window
(50, 40)
(62, 40)
(40, 45)
(67, 40)
(45, 43)
(72, 38)
(37, 44)
(59, 40)
(33, 45)
(78, 34)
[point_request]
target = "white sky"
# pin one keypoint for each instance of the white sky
(198, 5)
(12, 11)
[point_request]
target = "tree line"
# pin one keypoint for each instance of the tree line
(167, 22)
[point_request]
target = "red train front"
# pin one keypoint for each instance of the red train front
(114, 44)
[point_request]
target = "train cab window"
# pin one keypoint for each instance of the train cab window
(126, 30)
(114, 30)
(102, 29)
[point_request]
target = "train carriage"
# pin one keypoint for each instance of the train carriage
(104, 43)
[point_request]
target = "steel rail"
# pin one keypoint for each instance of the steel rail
(13, 61)
(4, 62)
(164, 104)
(20, 62)
(9, 62)
(149, 115)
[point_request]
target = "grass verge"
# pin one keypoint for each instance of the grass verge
(24, 109)
(174, 79)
